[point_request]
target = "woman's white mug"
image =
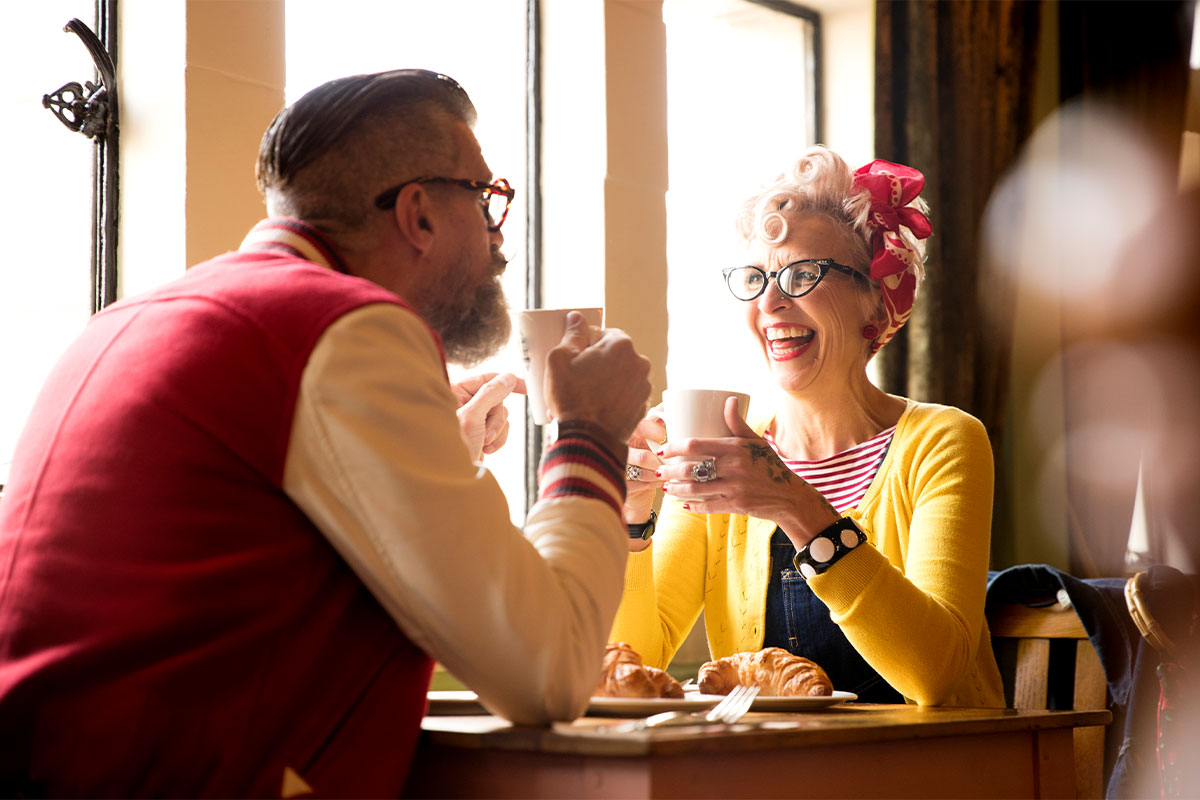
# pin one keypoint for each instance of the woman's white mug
(541, 329)
(699, 413)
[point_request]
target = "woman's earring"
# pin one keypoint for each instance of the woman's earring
(870, 332)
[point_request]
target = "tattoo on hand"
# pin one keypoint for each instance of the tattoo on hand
(777, 471)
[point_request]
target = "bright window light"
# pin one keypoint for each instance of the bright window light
(45, 295)
(740, 110)
(482, 46)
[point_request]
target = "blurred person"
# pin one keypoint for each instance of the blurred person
(1092, 232)
(1170, 247)
(848, 526)
(248, 511)
(1089, 233)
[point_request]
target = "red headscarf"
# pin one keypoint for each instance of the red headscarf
(894, 264)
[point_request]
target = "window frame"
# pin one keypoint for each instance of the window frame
(106, 174)
(534, 439)
(814, 71)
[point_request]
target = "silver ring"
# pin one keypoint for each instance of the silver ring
(705, 471)
(633, 472)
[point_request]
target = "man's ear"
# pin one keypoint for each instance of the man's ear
(415, 216)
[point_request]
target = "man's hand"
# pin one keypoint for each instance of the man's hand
(606, 382)
(482, 416)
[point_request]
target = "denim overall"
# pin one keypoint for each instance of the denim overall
(799, 622)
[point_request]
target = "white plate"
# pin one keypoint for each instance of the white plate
(451, 703)
(778, 703)
(467, 703)
(695, 701)
(645, 706)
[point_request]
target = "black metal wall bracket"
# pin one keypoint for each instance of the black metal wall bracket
(88, 109)
(94, 112)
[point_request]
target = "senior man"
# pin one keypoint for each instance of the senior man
(247, 512)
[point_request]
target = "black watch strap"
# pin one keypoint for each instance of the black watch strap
(645, 530)
(827, 547)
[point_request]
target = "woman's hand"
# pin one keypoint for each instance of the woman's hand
(642, 463)
(750, 479)
(482, 417)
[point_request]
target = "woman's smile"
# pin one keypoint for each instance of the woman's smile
(786, 341)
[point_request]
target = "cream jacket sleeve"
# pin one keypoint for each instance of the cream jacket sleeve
(377, 461)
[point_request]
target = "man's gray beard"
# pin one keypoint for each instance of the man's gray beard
(471, 332)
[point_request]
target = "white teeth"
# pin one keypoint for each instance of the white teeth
(780, 352)
(787, 332)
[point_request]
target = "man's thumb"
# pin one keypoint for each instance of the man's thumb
(578, 334)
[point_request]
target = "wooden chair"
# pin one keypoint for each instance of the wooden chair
(1047, 661)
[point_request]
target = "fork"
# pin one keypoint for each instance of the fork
(732, 708)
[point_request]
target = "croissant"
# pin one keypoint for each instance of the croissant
(624, 675)
(774, 670)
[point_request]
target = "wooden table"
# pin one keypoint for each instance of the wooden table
(852, 750)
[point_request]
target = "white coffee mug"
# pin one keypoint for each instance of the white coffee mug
(541, 329)
(699, 413)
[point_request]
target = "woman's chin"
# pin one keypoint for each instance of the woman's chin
(793, 380)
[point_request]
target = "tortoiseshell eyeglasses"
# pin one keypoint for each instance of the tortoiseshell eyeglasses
(495, 197)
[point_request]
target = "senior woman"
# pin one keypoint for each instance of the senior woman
(850, 526)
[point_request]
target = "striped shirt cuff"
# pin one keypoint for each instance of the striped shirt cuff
(578, 466)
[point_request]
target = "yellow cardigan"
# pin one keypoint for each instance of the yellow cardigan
(911, 603)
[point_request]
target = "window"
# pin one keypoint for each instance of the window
(742, 104)
(483, 47)
(45, 287)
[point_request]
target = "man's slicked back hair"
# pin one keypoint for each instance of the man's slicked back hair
(325, 157)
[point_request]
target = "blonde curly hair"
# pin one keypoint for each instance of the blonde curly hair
(821, 182)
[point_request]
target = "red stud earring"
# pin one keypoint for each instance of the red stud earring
(870, 332)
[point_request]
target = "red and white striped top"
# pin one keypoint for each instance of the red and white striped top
(843, 478)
